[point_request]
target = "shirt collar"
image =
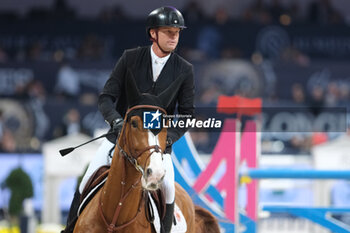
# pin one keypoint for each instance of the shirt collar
(159, 60)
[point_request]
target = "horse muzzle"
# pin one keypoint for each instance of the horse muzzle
(152, 180)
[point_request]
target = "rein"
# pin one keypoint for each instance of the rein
(133, 160)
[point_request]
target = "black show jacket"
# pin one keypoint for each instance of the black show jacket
(138, 61)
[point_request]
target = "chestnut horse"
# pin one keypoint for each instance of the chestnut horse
(119, 206)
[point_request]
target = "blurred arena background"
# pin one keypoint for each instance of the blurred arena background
(55, 56)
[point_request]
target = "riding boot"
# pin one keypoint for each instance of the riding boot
(73, 213)
(168, 218)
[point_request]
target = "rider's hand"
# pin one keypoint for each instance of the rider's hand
(117, 125)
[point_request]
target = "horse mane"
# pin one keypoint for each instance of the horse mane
(205, 221)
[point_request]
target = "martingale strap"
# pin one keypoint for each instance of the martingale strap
(112, 227)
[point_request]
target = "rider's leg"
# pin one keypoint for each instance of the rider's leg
(168, 188)
(100, 159)
(73, 213)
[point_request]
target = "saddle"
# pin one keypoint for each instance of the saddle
(93, 185)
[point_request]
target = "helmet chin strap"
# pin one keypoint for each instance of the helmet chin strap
(161, 49)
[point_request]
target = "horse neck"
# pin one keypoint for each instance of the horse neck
(112, 190)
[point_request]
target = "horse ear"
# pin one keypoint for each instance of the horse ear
(168, 94)
(132, 92)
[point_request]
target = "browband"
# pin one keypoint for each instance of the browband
(144, 106)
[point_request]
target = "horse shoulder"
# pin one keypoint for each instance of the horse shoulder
(184, 202)
(90, 220)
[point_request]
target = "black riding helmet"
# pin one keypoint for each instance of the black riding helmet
(166, 16)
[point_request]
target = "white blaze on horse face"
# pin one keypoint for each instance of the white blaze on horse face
(155, 171)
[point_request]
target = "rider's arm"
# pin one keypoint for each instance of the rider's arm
(185, 104)
(107, 108)
(112, 90)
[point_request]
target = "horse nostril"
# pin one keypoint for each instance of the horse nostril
(148, 172)
(153, 186)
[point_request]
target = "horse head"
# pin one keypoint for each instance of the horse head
(144, 147)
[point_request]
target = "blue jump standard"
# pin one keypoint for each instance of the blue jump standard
(296, 174)
(316, 215)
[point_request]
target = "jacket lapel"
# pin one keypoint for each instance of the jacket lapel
(167, 69)
(149, 62)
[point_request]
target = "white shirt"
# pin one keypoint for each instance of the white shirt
(157, 64)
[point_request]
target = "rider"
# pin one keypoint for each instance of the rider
(154, 68)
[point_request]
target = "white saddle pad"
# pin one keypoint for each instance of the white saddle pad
(91, 193)
(181, 225)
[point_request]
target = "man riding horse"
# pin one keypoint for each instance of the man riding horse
(154, 68)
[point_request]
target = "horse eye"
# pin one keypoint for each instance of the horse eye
(134, 124)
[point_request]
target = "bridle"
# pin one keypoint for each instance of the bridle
(133, 160)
